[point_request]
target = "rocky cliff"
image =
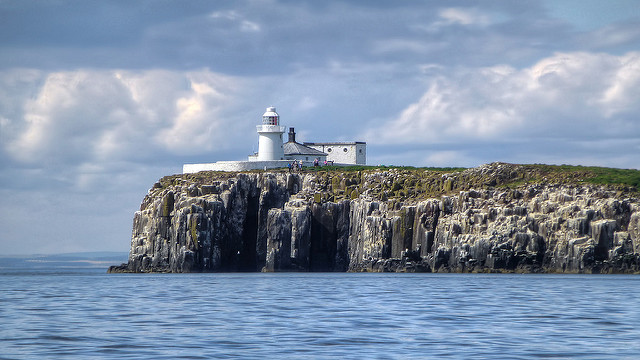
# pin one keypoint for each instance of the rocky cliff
(494, 218)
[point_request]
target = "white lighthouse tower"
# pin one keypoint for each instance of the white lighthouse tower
(270, 146)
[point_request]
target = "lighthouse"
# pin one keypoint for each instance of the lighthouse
(270, 146)
(273, 153)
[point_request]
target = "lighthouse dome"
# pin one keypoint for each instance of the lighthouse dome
(271, 117)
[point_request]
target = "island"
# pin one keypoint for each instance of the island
(497, 217)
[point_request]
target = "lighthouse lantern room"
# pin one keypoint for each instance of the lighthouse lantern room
(270, 145)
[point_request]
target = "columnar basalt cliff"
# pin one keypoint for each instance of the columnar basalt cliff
(495, 218)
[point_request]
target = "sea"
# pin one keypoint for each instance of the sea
(85, 313)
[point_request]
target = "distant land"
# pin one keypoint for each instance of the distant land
(77, 261)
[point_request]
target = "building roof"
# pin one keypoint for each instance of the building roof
(293, 148)
(335, 143)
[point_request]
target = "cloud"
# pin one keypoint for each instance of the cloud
(235, 18)
(86, 122)
(560, 101)
(275, 37)
(463, 16)
(248, 37)
(615, 35)
(83, 146)
(200, 122)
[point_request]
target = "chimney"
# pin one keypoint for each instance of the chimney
(292, 135)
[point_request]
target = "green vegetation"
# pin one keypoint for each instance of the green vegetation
(628, 177)
(617, 176)
(593, 174)
(379, 168)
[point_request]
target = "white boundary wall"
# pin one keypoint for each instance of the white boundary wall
(243, 166)
(234, 166)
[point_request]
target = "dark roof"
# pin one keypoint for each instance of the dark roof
(293, 148)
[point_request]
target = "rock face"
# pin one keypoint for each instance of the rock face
(365, 221)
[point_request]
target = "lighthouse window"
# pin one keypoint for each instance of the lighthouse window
(329, 150)
(345, 150)
(270, 120)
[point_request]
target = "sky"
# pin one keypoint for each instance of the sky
(100, 99)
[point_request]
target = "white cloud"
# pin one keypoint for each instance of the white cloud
(569, 96)
(459, 16)
(69, 109)
(229, 15)
(236, 18)
(85, 145)
(249, 26)
(199, 122)
(80, 125)
(100, 112)
(624, 88)
(463, 16)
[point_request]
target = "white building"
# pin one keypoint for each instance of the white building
(273, 153)
(348, 152)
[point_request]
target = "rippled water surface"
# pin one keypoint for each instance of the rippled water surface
(91, 315)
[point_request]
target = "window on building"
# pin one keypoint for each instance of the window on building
(345, 150)
(329, 150)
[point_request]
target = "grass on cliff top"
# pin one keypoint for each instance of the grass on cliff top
(553, 173)
(500, 175)
(536, 173)
(595, 174)
(381, 168)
